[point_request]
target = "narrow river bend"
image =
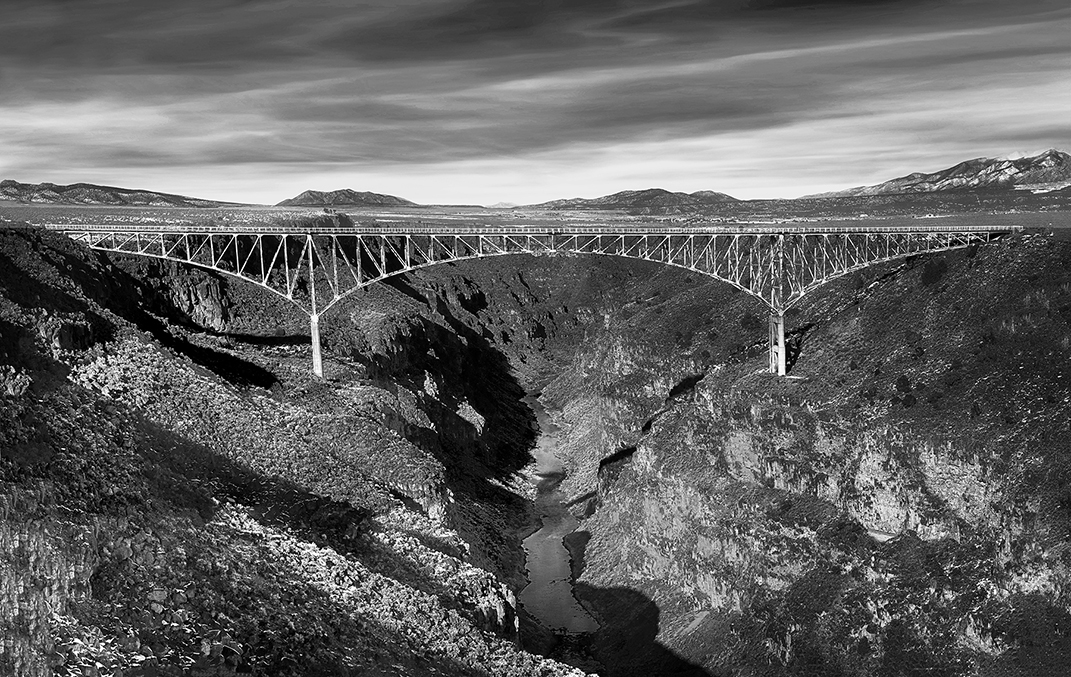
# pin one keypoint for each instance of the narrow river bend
(549, 593)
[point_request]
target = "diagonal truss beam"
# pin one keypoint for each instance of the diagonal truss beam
(316, 269)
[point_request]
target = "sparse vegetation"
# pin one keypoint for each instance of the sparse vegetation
(899, 508)
(160, 519)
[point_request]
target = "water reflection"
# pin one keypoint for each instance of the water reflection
(549, 594)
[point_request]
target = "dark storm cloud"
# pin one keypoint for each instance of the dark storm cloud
(411, 83)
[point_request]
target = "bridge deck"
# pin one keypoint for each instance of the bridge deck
(596, 229)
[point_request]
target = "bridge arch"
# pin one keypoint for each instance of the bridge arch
(363, 285)
(316, 269)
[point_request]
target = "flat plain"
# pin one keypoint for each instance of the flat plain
(1056, 216)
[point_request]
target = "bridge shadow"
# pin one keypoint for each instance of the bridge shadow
(225, 365)
(128, 296)
(794, 344)
(338, 524)
(70, 320)
(66, 321)
(72, 323)
(188, 486)
(476, 462)
(626, 644)
(260, 339)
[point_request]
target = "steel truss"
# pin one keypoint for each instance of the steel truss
(316, 269)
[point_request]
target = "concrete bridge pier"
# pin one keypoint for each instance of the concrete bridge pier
(778, 363)
(314, 316)
(317, 360)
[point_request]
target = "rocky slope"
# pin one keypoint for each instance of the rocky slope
(176, 503)
(1051, 169)
(90, 194)
(901, 509)
(344, 198)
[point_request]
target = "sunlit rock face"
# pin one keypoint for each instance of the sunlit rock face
(897, 504)
(184, 295)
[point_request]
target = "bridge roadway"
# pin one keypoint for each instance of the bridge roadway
(315, 268)
(607, 228)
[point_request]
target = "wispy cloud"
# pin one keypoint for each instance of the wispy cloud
(481, 100)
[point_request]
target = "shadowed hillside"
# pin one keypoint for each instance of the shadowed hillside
(163, 512)
(193, 499)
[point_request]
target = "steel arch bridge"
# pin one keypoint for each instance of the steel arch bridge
(317, 268)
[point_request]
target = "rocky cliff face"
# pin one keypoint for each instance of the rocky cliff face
(182, 294)
(892, 510)
(897, 504)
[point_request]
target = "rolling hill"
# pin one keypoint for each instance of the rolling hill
(345, 198)
(656, 198)
(92, 194)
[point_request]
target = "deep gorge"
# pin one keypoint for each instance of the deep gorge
(549, 595)
(884, 513)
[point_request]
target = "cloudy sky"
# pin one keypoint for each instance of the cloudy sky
(480, 101)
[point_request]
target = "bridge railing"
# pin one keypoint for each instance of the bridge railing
(597, 229)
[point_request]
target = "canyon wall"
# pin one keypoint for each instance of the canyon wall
(898, 506)
(181, 496)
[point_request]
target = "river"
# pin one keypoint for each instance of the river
(549, 593)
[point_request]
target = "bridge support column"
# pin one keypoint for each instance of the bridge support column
(317, 361)
(778, 363)
(314, 317)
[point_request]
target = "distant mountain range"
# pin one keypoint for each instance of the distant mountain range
(1051, 169)
(91, 194)
(345, 198)
(656, 198)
